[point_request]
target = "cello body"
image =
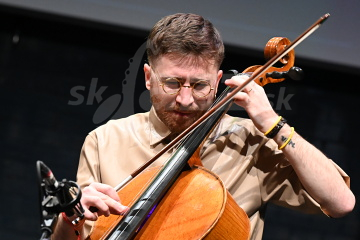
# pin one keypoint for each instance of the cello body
(180, 214)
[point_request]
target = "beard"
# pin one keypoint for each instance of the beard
(176, 117)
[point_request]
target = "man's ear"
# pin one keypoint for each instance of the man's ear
(219, 76)
(147, 72)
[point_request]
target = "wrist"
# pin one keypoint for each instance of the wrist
(265, 120)
(275, 127)
(285, 137)
(76, 223)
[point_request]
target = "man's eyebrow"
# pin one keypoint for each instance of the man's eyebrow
(199, 79)
(192, 80)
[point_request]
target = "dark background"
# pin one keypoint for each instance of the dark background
(48, 66)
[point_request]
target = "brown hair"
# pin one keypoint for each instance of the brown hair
(185, 34)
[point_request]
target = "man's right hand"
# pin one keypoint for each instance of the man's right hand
(103, 198)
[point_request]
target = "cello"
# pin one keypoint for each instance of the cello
(166, 210)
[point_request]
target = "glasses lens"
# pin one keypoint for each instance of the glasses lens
(202, 88)
(171, 85)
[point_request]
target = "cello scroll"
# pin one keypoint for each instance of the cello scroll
(277, 74)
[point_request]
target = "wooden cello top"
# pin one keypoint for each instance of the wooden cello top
(197, 206)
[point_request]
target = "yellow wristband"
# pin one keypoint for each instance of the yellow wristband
(288, 139)
(267, 132)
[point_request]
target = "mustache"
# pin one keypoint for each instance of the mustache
(175, 106)
(180, 108)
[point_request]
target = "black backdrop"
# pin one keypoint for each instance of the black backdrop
(60, 78)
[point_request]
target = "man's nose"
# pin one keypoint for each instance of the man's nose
(185, 96)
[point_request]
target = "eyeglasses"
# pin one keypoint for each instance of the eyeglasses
(172, 86)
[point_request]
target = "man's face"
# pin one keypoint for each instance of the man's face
(180, 110)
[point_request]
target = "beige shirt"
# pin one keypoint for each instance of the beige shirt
(252, 168)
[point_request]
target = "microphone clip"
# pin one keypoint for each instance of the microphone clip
(66, 198)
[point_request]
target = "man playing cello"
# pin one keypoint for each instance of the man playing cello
(260, 160)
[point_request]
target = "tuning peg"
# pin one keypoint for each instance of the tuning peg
(294, 73)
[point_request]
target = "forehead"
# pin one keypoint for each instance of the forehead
(188, 66)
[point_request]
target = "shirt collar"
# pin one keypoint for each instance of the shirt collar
(158, 130)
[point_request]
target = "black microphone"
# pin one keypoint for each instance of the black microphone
(51, 184)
